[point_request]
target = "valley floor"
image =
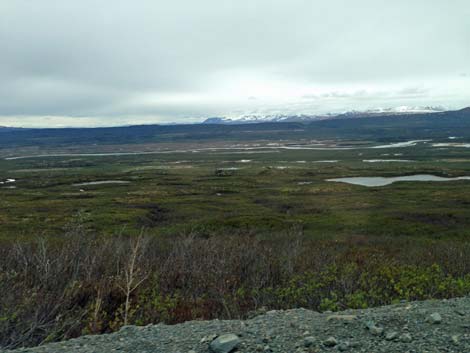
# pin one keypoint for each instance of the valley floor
(228, 227)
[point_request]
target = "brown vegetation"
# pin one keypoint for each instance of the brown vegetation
(56, 289)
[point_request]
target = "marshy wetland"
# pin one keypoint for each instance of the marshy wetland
(239, 186)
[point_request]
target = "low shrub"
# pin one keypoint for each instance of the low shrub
(84, 284)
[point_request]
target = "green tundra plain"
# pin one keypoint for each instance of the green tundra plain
(247, 188)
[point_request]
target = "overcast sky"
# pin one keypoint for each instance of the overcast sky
(112, 62)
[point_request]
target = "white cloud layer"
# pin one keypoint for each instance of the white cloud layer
(101, 63)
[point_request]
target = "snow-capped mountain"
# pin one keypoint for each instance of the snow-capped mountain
(246, 119)
(398, 110)
(402, 110)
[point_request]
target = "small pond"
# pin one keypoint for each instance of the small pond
(102, 182)
(382, 181)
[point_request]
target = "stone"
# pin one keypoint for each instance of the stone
(370, 324)
(343, 347)
(209, 338)
(309, 341)
(376, 331)
(342, 317)
(330, 342)
(406, 338)
(435, 318)
(128, 329)
(224, 343)
(355, 344)
(390, 336)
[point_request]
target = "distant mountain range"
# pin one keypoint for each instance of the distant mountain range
(402, 110)
(388, 126)
(6, 128)
(350, 116)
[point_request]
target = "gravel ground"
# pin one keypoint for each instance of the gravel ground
(429, 326)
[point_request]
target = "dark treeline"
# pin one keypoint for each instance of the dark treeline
(386, 128)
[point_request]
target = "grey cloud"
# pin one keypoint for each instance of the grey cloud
(101, 59)
(407, 92)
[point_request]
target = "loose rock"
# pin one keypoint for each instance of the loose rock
(406, 338)
(376, 331)
(225, 343)
(347, 318)
(435, 318)
(295, 331)
(330, 342)
(309, 341)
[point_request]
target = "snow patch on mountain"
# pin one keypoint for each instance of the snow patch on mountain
(254, 118)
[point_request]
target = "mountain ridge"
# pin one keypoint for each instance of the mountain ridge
(397, 111)
(402, 111)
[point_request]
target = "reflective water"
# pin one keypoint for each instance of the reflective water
(382, 181)
(102, 182)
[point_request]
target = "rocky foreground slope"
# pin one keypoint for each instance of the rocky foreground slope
(430, 326)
